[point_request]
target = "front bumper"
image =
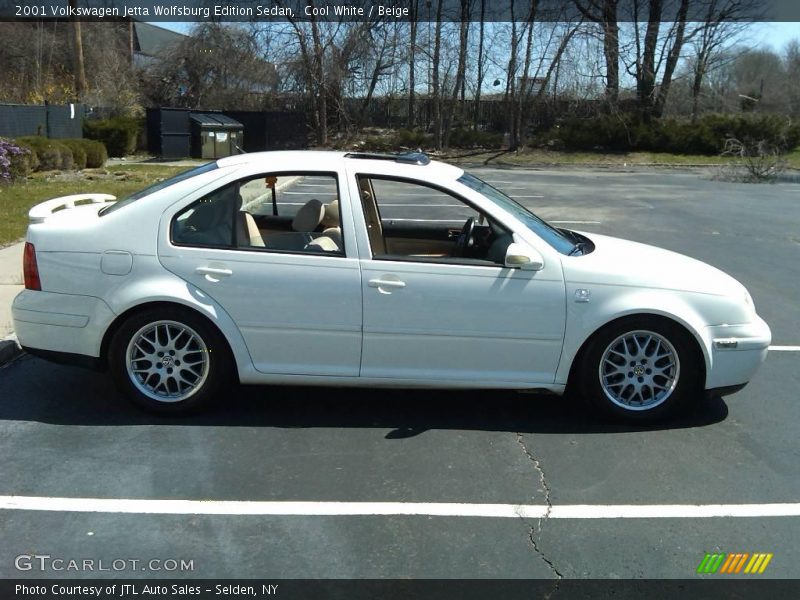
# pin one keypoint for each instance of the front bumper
(63, 324)
(737, 352)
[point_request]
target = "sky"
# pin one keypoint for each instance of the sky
(776, 35)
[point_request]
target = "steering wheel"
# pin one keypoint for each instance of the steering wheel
(464, 238)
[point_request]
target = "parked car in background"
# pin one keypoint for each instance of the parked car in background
(335, 269)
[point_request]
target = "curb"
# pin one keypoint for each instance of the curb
(9, 349)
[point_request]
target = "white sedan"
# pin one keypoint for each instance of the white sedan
(325, 268)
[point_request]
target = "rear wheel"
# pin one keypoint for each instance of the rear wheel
(640, 369)
(169, 360)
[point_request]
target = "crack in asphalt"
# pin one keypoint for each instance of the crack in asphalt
(535, 532)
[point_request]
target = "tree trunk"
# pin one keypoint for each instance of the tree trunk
(511, 76)
(411, 65)
(672, 60)
(480, 68)
(611, 52)
(373, 83)
(697, 85)
(437, 96)
(130, 42)
(460, 70)
(80, 72)
(606, 17)
(646, 76)
(322, 95)
(524, 88)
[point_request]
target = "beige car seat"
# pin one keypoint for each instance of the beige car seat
(247, 233)
(332, 223)
(309, 217)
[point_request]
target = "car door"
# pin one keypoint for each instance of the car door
(428, 316)
(297, 304)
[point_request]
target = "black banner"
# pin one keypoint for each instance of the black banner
(391, 10)
(388, 589)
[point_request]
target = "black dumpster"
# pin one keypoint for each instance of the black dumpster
(215, 135)
(168, 132)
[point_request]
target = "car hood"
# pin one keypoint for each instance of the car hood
(621, 262)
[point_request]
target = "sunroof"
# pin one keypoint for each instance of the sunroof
(409, 158)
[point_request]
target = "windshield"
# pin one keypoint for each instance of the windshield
(553, 236)
(160, 185)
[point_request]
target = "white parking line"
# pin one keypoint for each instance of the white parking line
(784, 348)
(578, 222)
(436, 509)
(423, 220)
(302, 193)
(431, 205)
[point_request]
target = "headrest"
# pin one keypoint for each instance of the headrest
(331, 218)
(309, 216)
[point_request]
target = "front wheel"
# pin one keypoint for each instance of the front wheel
(640, 369)
(168, 360)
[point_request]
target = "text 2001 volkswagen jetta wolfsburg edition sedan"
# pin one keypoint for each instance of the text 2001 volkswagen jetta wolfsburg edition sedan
(377, 270)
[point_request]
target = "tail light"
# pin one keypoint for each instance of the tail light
(30, 269)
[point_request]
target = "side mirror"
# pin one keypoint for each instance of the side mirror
(522, 256)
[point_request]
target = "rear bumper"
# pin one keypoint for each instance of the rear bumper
(737, 352)
(60, 324)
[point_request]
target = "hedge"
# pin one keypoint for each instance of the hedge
(408, 138)
(52, 154)
(78, 153)
(118, 134)
(87, 153)
(96, 155)
(44, 154)
(626, 132)
(469, 138)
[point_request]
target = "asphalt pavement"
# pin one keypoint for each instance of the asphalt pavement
(64, 433)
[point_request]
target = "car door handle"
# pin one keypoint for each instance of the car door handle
(213, 274)
(386, 283)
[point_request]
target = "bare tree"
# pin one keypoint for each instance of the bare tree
(461, 69)
(312, 55)
(525, 80)
(721, 27)
(383, 62)
(604, 13)
(218, 66)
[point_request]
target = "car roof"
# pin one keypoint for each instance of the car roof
(328, 159)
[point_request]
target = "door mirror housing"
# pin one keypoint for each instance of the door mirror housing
(522, 256)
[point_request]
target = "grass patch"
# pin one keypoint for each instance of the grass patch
(16, 199)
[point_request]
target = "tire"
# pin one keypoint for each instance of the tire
(169, 360)
(640, 369)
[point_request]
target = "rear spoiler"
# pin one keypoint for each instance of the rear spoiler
(40, 212)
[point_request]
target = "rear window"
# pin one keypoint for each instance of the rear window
(158, 186)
